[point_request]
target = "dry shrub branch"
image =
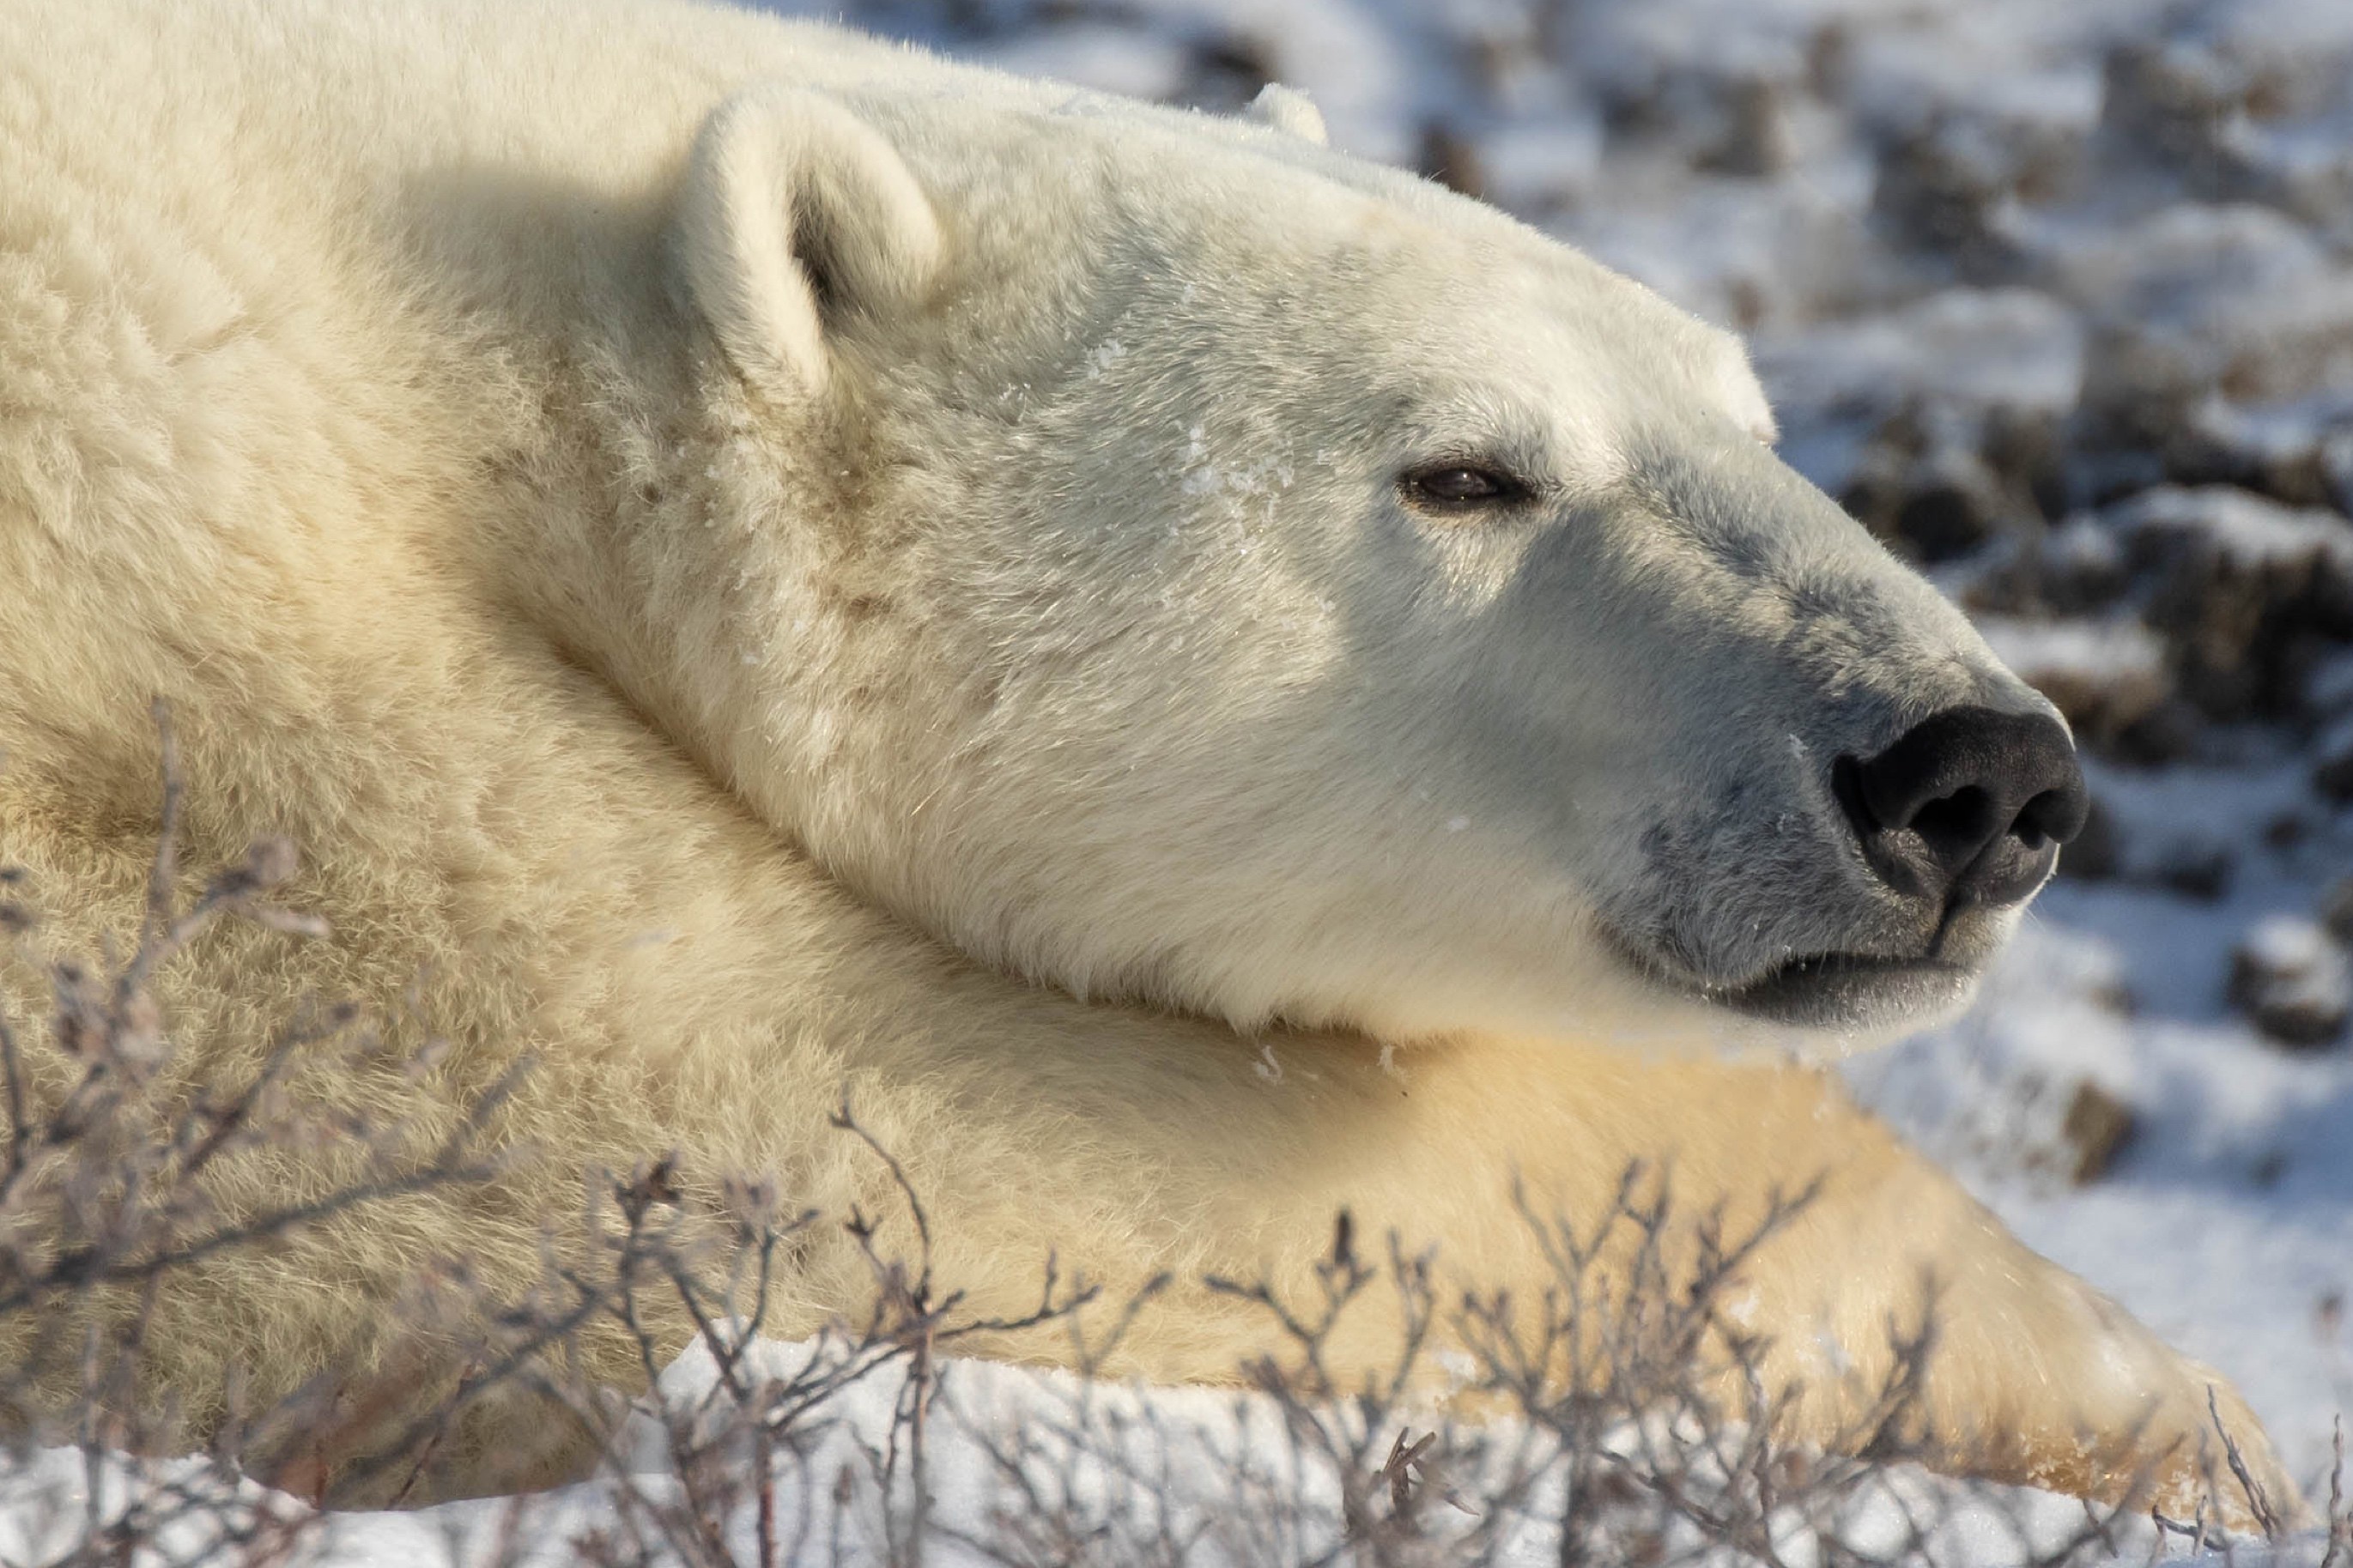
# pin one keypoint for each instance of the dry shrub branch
(1621, 1416)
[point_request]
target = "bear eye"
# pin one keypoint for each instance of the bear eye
(1455, 485)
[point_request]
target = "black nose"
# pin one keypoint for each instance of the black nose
(1970, 806)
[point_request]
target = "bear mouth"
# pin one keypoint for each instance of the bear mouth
(1832, 990)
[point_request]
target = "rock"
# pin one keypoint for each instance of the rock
(2287, 829)
(1227, 70)
(1450, 159)
(2279, 452)
(2337, 911)
(1944, 191)
(2076, 569)
(2105, 676)
(1922, 484)
(2291, 978)
(2248, 593)
(1953, 503)
(2021, 447)
(2178, 107)
(2328, 685)
(2082, 567)
(2100, 473)
(2093, 855)
(1756, 140)
(1722, 116)
(2193, 865)
(2332, 766)
(1830, 59)
(2171, 732)
(2140, 382)
(2197, 300)
(2336, 468)
(2098, 1128)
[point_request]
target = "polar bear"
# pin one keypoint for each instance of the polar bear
(1204, 681)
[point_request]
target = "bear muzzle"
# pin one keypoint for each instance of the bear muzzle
(1943, 834)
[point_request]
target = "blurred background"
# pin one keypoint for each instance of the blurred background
(2055, 297)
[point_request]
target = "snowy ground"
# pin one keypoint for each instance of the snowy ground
(2227, 1223)
(1030, 1465)
(2058, 295)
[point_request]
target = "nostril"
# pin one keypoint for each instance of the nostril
(1968, 803)
(1962, 820)
(2049, 818)
(1846, 789)
(2055, 815)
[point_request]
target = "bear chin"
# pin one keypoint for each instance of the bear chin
(1833, 992)
(1845, 991)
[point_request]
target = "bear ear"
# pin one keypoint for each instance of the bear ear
(1290, 110)
(794, 212)
(1742, 394)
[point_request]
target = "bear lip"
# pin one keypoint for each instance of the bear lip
(1841, 990)
(1848, 989)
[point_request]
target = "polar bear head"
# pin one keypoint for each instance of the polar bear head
(1176, 562)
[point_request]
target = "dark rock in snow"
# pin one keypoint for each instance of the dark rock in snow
(2337, 911)
(1942, 191)
(1449, 158)
(2247, 592)
(2169, 732)
(2104, 675)
(2074, 569)
(2291, 978)
(2283, 459)
(1754, 140)
(2192, 865)
(2098, 1128)
(1953, 504)
(2176, 106)
(2093, 855)
(2332, 761)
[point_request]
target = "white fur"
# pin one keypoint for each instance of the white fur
(1007, 680)
(1289, 111)
(777, 172)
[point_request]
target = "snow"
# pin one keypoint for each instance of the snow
(1201, 1476)
(1105, 56)
(2099, 653)
(2227, 1226)
(2242, 529)
(2288, 945)
(1541, 166)
(2016, 348)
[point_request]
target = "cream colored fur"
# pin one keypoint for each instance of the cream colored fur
(758, 562)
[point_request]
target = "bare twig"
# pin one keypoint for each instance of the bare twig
(2258, 1503)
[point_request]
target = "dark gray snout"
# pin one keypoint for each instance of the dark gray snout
(1969, 807)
